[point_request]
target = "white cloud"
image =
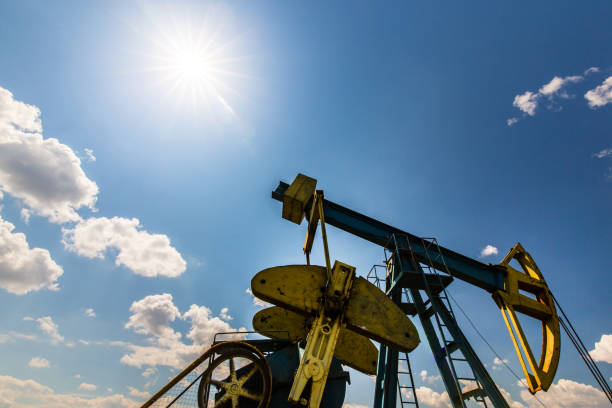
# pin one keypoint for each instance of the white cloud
(137, 393)
(591, 70)
(603, 349)
(87, 387)
(498, 363)
(13, 335)
(13, 393)
(488, 251)
(567, 394)
(48, 326)
(434, 399)
(224, 314)
(152, 316)
(90, 312)
(257, 301)
(44, 173)
(77, 376)
(144, 253)
(430, 379)
(354, 406)
(601, 95)
(90, 155)
(603, 153)
(555, 85)
(526, 102)
(39, 362)
(149, 372)
(24, 269)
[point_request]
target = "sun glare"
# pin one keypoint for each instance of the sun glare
(195, 64)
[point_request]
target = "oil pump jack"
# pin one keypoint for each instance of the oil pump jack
(329, 316)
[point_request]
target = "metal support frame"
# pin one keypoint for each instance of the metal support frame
(385, 394)
(488, 277)
(410, 252)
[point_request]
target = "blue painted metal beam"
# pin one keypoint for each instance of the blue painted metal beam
(488, 277)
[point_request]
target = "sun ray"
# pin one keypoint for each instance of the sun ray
(195, 63)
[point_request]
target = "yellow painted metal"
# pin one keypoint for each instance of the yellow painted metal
(321, 344)
(296, 197)
(540, 375)
(344, 308)
(356, 351)
(298, 288)
(372, 314)
(279, 323)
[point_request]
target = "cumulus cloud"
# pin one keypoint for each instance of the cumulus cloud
(527, 102)
(434, 399)
(44, 174)
(603, 153)
(50, 328)
(556, 84)
(511, 121)
(488, 251)
(90, 155)
(14, 391)
(601, 95)
(567, 394)
(24, 269)
(224, 314)
(257, 301)
(143, 253)
(152, 316)
(90, 313)
(39, 362)
(556, 88)
(149, 372)
(87, 387)
(134, 392)
(498, 363)
(430, 379)
(603, 349)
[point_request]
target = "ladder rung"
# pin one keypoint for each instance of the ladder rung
(466, 379)
(458, 359)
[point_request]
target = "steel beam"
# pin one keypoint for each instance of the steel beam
(488, 277)
(486, 382)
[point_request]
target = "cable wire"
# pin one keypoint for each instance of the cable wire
(521, 380)
(583, 351)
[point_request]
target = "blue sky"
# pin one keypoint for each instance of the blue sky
(478, 124)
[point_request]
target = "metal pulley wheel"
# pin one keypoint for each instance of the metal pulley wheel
(241, 376)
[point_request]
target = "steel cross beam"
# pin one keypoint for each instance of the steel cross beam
(487, 277)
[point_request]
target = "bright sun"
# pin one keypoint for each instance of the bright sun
(196, 65)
